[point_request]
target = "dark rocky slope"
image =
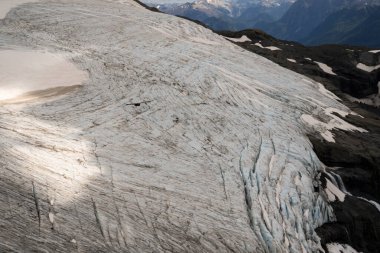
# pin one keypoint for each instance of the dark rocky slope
(342, 59)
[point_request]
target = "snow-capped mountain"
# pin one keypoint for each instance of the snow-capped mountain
(229, 14)
(229, 4)
(174, 140)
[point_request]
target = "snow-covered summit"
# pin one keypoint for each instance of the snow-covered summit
(179, 141)
(237, 6)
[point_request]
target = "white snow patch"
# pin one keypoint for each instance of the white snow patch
(327, 69)
(25, 71)
(335, 123)
(319, 126)
(340, 248)
(272, 48)
(243, 38)
(328, 136)
(7, 5)
(292, 60)
(259, 45)
(309, 59)
(334, 192)
(374, 51)
(367, 68)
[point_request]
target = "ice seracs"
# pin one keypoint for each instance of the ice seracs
(333, 192)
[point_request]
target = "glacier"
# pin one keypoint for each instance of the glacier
(178, 141)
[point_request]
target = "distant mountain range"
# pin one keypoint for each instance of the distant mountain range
(314, 22)
(311, 22)
(229, 14)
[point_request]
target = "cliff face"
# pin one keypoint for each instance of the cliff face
(179, 141)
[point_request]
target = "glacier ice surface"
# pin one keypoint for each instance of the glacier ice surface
(179, 140)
